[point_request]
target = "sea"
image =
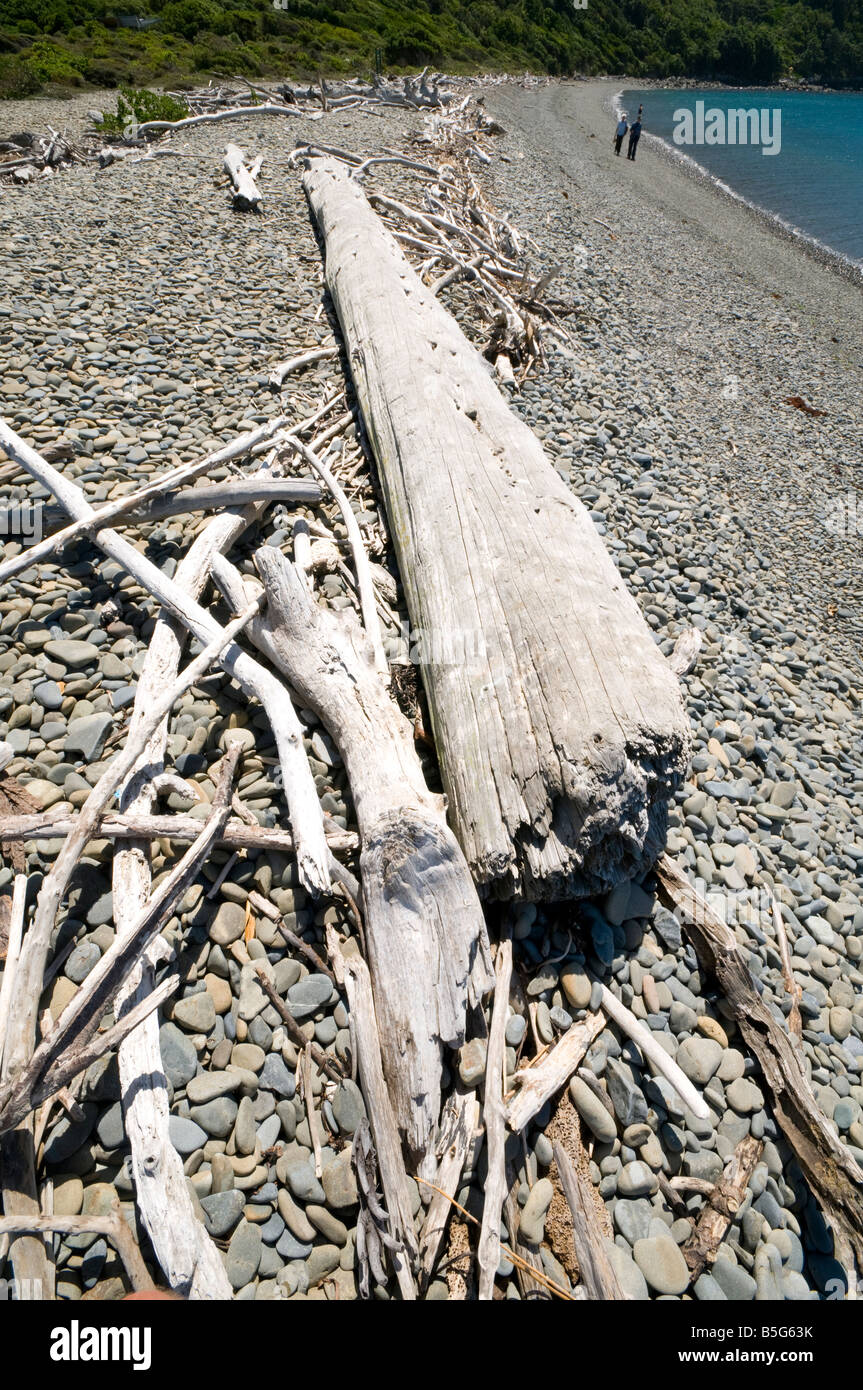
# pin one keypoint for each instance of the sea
(813, 183)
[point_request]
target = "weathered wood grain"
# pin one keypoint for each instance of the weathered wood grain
(558, 723)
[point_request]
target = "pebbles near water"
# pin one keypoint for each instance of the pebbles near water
(139, 321)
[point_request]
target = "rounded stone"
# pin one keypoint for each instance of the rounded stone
(662, 1264)
(592, 1111)
(699, 1058)
(636, 1180)
(744, 1096)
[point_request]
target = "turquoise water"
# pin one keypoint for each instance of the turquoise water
(814, 182)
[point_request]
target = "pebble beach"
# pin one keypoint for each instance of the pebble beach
(139, 320)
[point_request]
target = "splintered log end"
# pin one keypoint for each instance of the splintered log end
(610, 828)
(431, 965)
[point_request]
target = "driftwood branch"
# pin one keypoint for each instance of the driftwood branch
(427, 944)
(488, 1250)
(722, 1205)
(113, 825)
(112, 1227)
(594, 1266)
(539, 1083)
(835, 1179)
(133, 502)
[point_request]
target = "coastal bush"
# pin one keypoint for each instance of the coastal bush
(136, 107)
(16, 79)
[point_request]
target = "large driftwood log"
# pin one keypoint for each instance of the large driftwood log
(827, 1165)
(427, 944)
(558, 723)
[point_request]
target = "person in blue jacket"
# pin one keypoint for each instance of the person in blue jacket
(621, 130)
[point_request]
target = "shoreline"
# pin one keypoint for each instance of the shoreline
(819, 250)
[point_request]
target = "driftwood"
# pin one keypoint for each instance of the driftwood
(427, 945)
(133, 826)
(188, 1258)
(236, 492)
(299, 785)
(354, 974)
(61, 1053)
(112, 1227)
(539, 1083)
(594, 1266)
(561, 733)
(278, 374)
(488, 1250)
(458, 1131)
(722, 1205)
(246, 194)
(654, 1053)
(88, 522)
(835, 1179)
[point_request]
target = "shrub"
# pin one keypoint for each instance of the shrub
(50, 63)
(16, 79)
(136, 107)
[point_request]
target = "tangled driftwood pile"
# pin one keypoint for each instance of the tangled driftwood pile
(560, 740)
(26, 156)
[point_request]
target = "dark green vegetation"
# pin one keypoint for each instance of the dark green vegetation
(68, 43)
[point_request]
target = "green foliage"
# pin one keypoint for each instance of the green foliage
(136, 107)
(745, 41)
(16, 79)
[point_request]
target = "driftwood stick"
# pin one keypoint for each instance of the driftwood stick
(723, 1204)
(795, 1022)
(293, 364)
(13, 950)
(458, 1135)
(54, 887)
(113, 825)
(310, 956)
(151, 127)
(80, 1019)
(594, 1266)
(190, 1262)
(72, 1063)
(655, 1054)
(112, 1227)
(325, 1063)
(382, 1121)
(488, 1250)
(88, 523)
(235, 492)
(299, 785)
(539, 1083)
(365, 584)
(835, 1179)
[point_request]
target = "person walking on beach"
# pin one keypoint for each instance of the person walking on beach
(634, 137)
(622, 128)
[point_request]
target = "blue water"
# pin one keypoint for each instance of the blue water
(815, 181)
